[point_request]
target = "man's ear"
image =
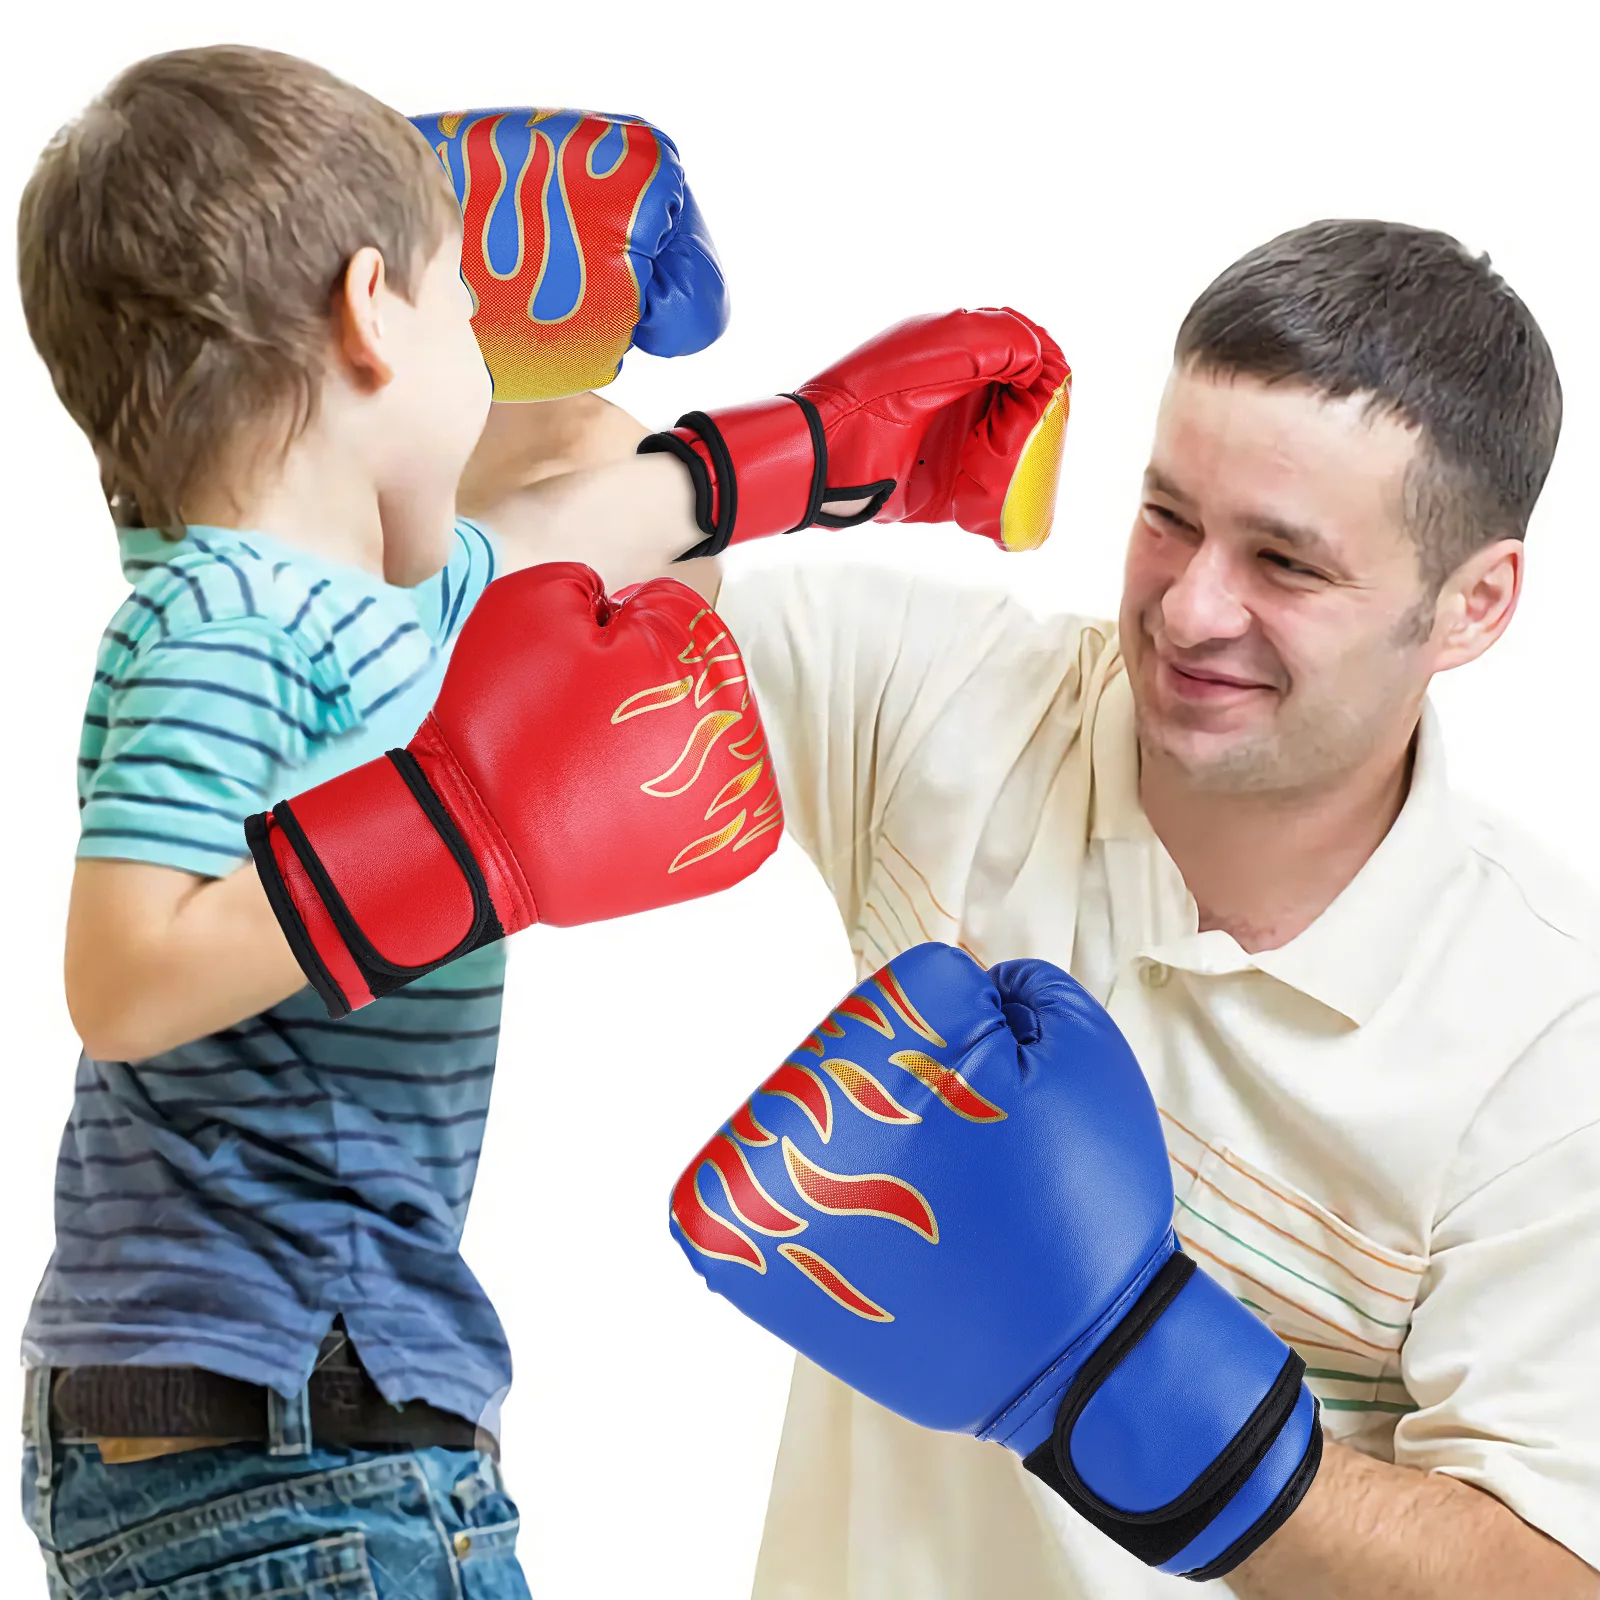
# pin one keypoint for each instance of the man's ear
(359, 327)
(1476, 603)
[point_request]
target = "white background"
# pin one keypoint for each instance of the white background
(1094, 165)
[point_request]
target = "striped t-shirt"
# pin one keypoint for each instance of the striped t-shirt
(219, 1204)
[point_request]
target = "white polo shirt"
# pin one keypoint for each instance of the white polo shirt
(1384, 1135)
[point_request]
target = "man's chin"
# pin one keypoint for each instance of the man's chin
(1209, 759)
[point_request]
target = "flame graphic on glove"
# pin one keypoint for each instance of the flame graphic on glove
(835, 1194)
(833, 1283)
(541, 198)
(865, 1093)
(871, 1194)
(716, 669)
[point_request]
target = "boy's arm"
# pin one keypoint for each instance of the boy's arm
(559, 480)
(157, 957)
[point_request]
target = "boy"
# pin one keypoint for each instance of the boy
(262, 1168)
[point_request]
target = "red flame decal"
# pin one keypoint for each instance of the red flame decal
(532, 359)
(862, 1009)
(949, 1086)
(869, 1194)
(745, 1127)
(807, 1090)
(751, 1203)
(901, 1001)
(833, 1283)
(865, 1093)
(704, 1229)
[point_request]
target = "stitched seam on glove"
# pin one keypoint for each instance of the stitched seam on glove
(1048, 1381)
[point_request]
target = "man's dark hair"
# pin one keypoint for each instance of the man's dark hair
(1432, 333)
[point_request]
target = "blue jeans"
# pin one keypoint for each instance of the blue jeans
(279, 1520)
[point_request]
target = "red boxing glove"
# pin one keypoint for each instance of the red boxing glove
(954, 418)
(588, 757)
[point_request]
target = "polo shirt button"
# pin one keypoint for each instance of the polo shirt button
(463, 1543)
(1156, 973)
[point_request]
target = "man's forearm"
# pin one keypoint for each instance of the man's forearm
(1369, 1530)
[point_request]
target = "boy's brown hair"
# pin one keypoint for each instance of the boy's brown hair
(179, 245)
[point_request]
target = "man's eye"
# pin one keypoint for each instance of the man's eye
(1286, 564)
(1166, 518)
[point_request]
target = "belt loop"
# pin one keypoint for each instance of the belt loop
(41, 1437)
(289, 1423)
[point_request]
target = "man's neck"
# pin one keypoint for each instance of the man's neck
(1263, 867)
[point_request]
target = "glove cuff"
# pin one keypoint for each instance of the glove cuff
(758, 469)
(1188, 1436)
(374, 883)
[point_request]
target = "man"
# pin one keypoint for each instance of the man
(1369, 1016)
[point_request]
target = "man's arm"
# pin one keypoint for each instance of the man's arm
(1500, 1359)
(1387, 1532)
(560, 480)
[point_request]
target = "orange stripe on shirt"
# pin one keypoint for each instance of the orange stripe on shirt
(1305, 1311)
(923, 876)
(1283, 1233)
(960, 944)
(1288, 1200)
(921, 926)
(898, 940)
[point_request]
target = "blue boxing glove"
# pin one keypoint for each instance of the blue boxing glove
(580, 239)
(955, 1197)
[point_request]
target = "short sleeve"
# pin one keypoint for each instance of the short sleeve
(852, 667)
(195, 734)
(1503, 1355)
(446, 600)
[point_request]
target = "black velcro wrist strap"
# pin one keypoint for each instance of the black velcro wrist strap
(1278, 1513)
(258, 835)
(819, 463)
(704, 497)
(719, 487)
(1156, 1536)
(381, 975)
(877, 496)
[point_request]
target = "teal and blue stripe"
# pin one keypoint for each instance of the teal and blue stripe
(218, 1204)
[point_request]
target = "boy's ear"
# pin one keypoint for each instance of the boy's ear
(358, 318)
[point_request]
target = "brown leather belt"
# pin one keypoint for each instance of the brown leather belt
(176, 1403)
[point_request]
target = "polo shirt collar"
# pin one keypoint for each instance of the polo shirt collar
(1353, 955)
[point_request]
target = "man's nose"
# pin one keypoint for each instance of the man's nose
(1203, 603)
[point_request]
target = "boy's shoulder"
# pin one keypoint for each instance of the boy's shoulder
(214, 578)
(243, 592)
